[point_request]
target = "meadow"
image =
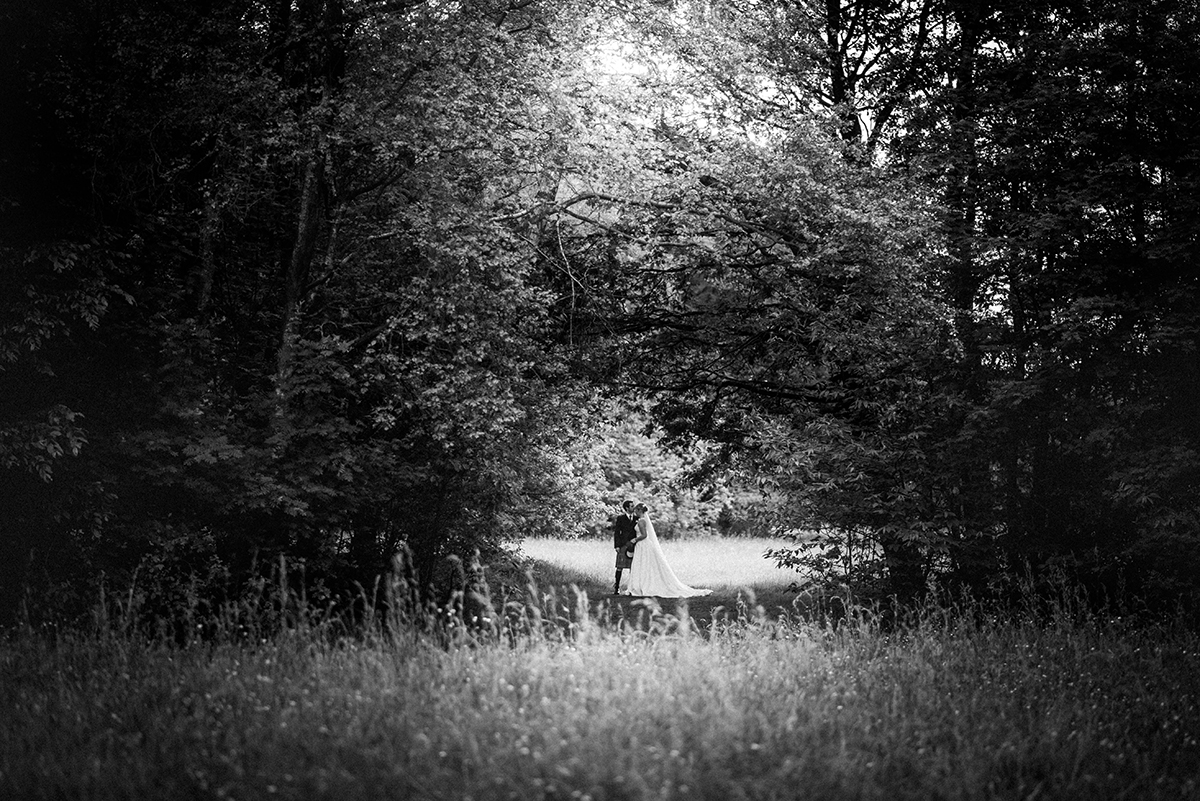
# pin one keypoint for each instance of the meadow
(572, 702)
(703, 562)
(734, 569)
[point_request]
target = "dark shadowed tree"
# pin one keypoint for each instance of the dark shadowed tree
(259, 304)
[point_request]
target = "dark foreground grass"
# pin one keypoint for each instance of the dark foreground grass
(561, 706)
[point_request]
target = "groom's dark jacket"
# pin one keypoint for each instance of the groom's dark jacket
(624, 530)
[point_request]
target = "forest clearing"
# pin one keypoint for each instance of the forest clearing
(715, 562)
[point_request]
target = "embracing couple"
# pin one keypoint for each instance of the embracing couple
(639, 551)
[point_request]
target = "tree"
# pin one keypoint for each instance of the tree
(1036, 342)
(1071, 257)
(772, 298)
(315, 279)
(862, 63)
(319, 341)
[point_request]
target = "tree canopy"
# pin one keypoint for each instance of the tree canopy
(324, 279)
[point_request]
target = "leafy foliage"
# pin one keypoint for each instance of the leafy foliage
(325, 347)
(320, 279)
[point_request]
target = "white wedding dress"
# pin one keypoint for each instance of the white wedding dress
(650, 575)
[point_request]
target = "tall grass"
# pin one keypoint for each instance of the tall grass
(555, 703)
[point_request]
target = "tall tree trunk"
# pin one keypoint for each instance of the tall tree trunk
(298, 268)
(963, 278)
(842, 78)
(904, 558)
(964, 275)
(202, 279)
(320, 60)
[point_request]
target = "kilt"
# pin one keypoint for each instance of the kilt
(624, 558)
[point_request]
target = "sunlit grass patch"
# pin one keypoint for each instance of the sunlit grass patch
(741, 579)
(717, 563)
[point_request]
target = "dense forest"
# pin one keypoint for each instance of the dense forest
(328, 279)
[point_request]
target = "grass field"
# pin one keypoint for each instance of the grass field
(958, 706)
(717, 563)
(741, 579)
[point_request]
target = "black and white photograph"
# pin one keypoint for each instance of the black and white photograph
(600, 400)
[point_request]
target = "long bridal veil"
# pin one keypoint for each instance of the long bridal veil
(651, 574)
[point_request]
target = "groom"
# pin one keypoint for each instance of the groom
(624, 530)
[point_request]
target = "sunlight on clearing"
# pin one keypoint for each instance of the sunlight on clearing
(711, 562)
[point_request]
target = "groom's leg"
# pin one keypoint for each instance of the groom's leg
(617, 582)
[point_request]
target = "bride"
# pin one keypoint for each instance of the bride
(650, 575)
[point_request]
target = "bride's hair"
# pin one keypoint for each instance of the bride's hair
(640, 508)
